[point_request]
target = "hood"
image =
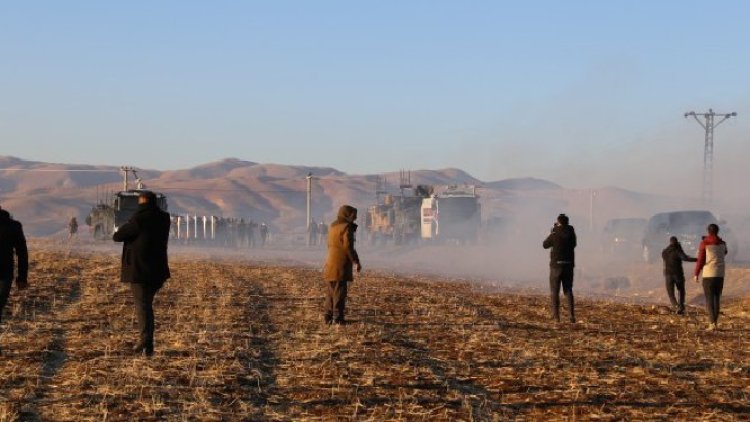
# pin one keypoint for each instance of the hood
(347, 213)
(4, 216)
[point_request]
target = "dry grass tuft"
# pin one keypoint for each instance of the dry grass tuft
(244, 341)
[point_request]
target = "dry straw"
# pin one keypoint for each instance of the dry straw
(242, 341)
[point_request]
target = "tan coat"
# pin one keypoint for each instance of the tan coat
(341, 253)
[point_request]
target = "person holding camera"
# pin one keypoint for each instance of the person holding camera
(145, 263)
(562, 242)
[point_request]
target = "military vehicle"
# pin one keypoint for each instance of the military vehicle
(105, 217)
(453, 215)
(395, 220)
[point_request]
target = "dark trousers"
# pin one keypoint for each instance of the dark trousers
(335, 303)
(678, 281)
(143, 295)
(561, 274)
(5, 286)
(712, 287)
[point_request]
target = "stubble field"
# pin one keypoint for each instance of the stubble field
(242, 340)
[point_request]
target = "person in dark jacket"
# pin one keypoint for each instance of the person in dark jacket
(562, 241)
(342, 256)
(144, 262)
(72, 228)
(12, 242)
(673, 256)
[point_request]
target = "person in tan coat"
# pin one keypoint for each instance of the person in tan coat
(342, 257)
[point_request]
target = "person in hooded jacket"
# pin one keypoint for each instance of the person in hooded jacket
(12, 241)
(711, 264)
(144, 262)
(562, 242)
(674, 276)
(341, 258)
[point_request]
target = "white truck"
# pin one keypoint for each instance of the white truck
(452, 215)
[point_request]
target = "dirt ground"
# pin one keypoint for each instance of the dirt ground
(244, 340)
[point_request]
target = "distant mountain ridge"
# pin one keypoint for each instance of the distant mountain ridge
(45, 195)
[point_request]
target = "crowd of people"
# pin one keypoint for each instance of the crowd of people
(220, 231)
(317, 233)
(145, 268)
(238, 233)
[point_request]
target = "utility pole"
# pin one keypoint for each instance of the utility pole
(380, 188)
(405, 181)
(309, 201)
(125, 170)
(592, 196)
(708, 122)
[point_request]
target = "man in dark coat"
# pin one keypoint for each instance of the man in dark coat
(562, 241)
(12, 241)
(674, 276)
(342, 256)
(144, 262)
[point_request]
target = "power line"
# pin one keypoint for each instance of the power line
(248, 190)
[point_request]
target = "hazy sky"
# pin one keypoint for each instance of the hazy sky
(585, 93)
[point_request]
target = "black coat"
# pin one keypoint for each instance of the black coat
(144, 253)
(563, 242)
(673, 255)
(12, 240)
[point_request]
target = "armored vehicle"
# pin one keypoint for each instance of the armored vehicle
(104, 218)
(395, 220)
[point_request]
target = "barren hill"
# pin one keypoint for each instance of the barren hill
(45, 195)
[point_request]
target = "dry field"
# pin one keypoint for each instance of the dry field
(245, 341)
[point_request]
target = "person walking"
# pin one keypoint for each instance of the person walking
(72, 227)
(322, 233)
(263, 234)
(144, 262)
(341, 258)
(674, 276)
(711, 265)
(12, 242)
(562, 242)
